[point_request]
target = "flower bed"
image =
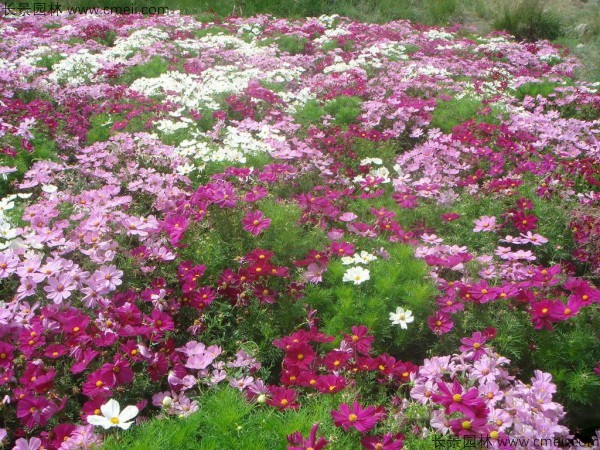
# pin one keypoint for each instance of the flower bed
(397, 220)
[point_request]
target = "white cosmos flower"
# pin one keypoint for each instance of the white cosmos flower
(357, 275)
(402, 317)
(113, 416)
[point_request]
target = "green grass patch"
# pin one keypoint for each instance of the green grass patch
(450, 113)
(528, 20)
(154, 68)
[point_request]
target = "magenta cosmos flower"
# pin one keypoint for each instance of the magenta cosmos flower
(357, 417)
(298, 442)
(255, 222)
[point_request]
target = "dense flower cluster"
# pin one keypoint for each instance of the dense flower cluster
(127, 143)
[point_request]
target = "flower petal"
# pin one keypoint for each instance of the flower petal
(99, 421)
(128, 413)
(111, 409)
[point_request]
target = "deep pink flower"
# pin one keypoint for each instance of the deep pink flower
(359, 340)
(440, 323)
(385, 442)
(255, 222)
(175, 227)
(471, 424)
(34, 411)
(336, 359)
(312, 443)
(342, 248)
(474, 346)
(99, 384)
(119, 369)
(357, 417)
(330, 384)
(6, 354)
(84, 360)
(300, 355)
(282, 398)
(457, 399)
(450, 217)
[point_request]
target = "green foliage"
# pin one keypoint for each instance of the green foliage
(440, 11)
(211, 31)
(43, 149)
(528, 20)
(285, 229)
(291, 44)
(154, 68)
(450, 113)
(100, 128)
(311, 113)
(49, 60)
(226, 420)
(533, 89)
(398, 281)
(345, 110)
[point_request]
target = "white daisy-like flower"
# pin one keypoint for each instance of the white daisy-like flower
(356, 275)
(113, 416)
(402, 317)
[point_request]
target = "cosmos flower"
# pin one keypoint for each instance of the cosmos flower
(402, 317)
(362, 419)
(356, 275)
(112, 416)
(255, 222)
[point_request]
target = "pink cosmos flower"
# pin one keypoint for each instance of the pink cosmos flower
(255, 222)
(23, 444)
(109, 277)
(8, 264)
(474, 346)
(485, 223)
(314, 273)
(363, 419)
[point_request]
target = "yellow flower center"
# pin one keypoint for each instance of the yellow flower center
(476, 345)
(457, 398)
(466, 425)
(99, 383)
(114, 420)
(284, 402)
(352, 417)
(494, 434)
(76, 329)
(355, 338)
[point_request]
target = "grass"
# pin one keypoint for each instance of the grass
(227, 420)
(528, 20)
